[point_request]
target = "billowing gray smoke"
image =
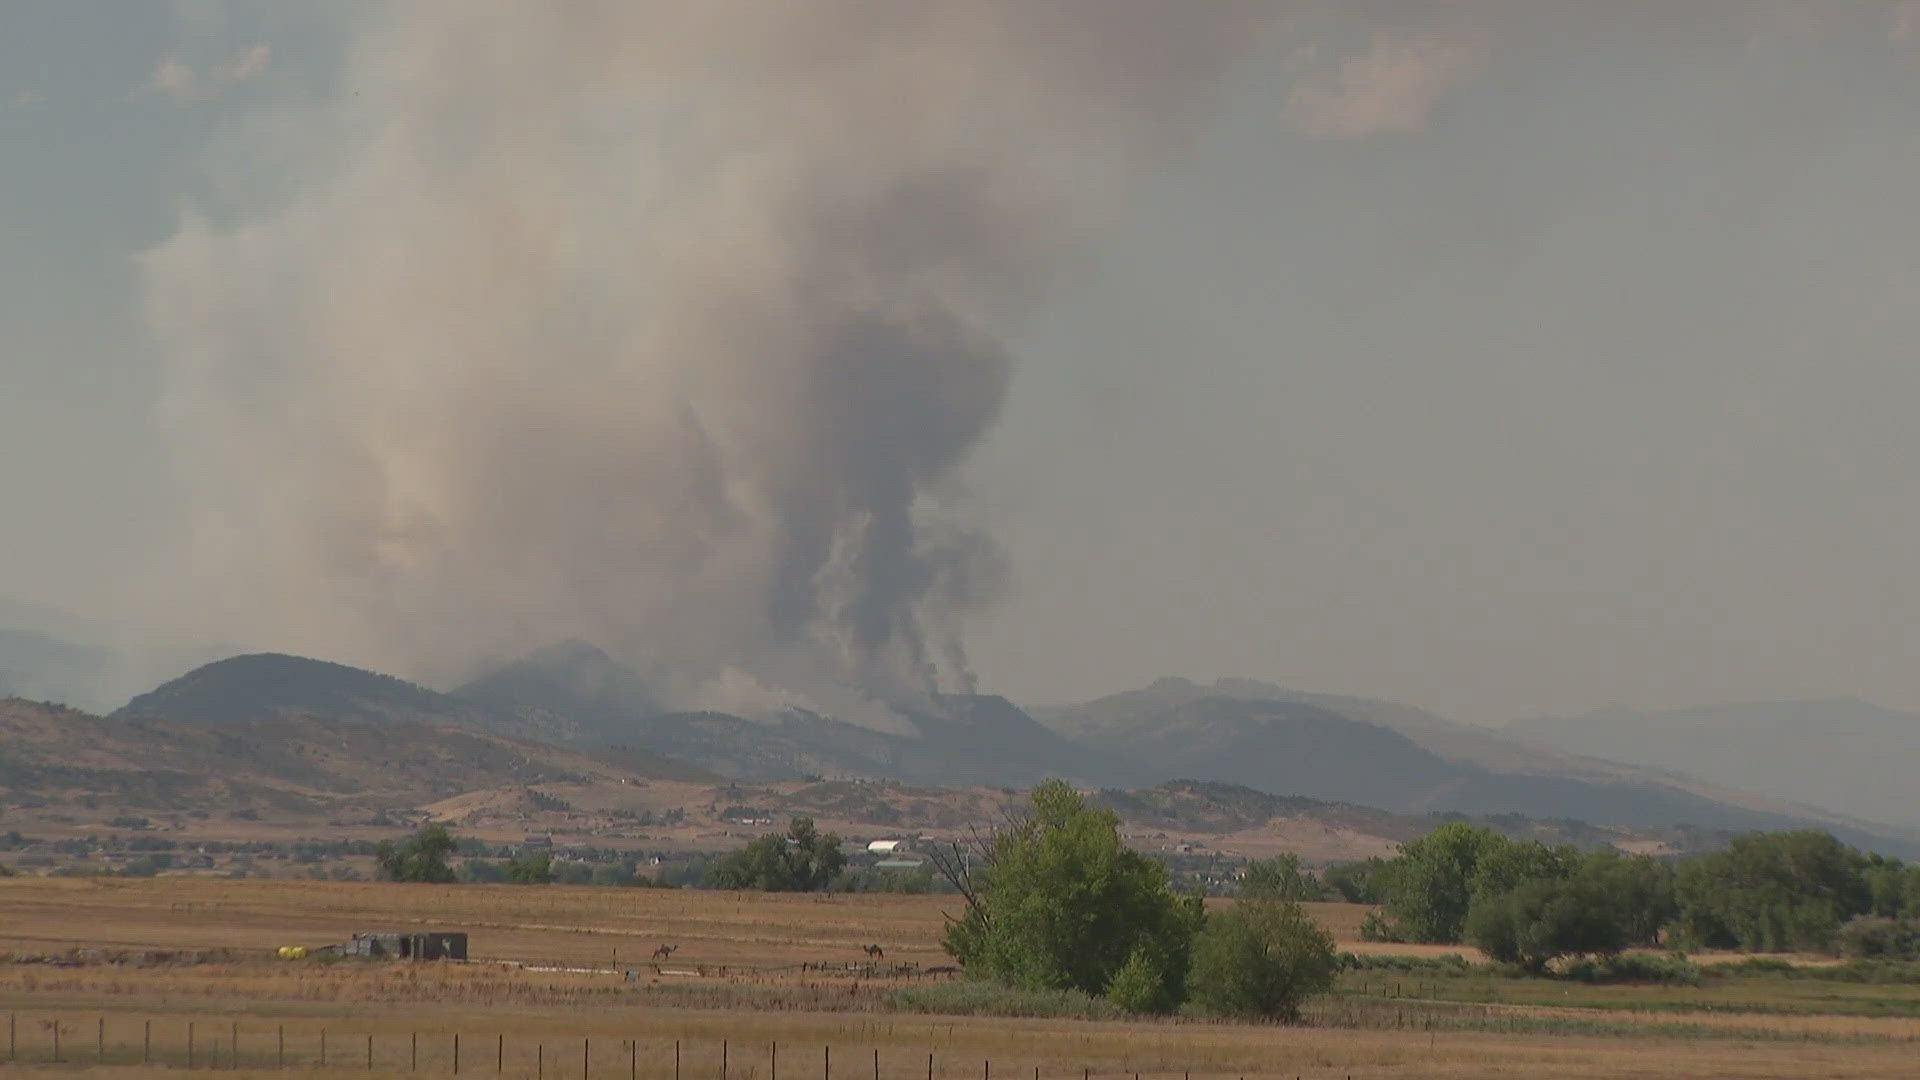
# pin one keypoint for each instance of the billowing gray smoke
(667, 325)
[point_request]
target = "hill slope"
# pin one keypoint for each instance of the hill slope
(959, 740)
(1851, 755)
(1308, 749)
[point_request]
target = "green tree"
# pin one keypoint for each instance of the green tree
(1541, 920)
(1430, 886)
(423, 857)
(801, 860)
(1262, 958)
(1357, 882)
(1062, 904)
(1279, 878)
(530, 868)
(1771, 892)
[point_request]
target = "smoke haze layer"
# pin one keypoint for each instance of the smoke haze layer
(664, 325)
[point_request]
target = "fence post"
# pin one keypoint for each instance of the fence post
(499, 1052)
(876, 1064)
(773, 1063)
(369, 1051)
(56, 1040)
(146, 1042)
(723, 1059)
(100, 1042)
(676, 1059)
(929, 1066)
(189, 1045)
(456, 1053)
(233, 1047)
(586, 1055)
(826, 1063)
(633, 1058)
(413, 1059)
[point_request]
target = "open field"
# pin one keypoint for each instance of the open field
(540, 1020)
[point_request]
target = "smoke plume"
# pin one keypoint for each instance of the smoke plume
(666, 325)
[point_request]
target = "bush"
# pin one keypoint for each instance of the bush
(423, 858)
(1671, 969)
(1872, 937)
(1141, 984)
(1262, 958)
(531, 868)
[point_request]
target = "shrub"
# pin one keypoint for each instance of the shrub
(1672, 969)
(1262, 958)
(1873, 937)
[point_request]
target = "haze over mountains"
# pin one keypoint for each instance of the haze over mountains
(1843, 753)
(565, 705)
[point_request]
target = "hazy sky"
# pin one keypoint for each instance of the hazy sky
(1497, 357)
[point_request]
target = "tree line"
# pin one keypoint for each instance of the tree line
(1525, 903)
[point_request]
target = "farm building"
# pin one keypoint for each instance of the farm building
(428, 945)
(886, 847)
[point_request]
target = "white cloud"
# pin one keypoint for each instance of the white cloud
(1391, 89)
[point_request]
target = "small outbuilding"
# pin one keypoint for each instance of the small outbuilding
(418, 945)
(885, 847)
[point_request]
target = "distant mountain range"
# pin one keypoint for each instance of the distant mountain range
(311, 729)
(1850, 755)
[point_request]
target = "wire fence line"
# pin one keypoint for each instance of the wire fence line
(226, 1045)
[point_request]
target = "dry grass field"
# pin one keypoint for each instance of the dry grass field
(556, 1016)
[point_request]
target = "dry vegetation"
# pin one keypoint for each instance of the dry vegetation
(545, 1019)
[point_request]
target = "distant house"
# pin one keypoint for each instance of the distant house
(538, 840)
(886, 847)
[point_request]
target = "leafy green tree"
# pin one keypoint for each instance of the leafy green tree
(1279, 878)
(1262, 958)
(1062, 904)
(423, 857)
(530, 868)
(1539, 921)
(802, 860)
(1357, 882)
(1429, 888)
(1771, 892)
(1636, 889)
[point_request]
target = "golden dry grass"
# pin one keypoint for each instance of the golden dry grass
(556, 1015)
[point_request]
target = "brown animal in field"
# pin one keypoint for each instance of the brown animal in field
(664, 951)
(874, 952)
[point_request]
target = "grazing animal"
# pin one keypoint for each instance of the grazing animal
(874, 952)
(664, 951)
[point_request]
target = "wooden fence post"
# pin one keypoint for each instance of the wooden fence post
(540, 1060)
(369, 1051)
(100, 1042)
(146, 1042)
(723, 1059)
(56, 1040)
(773, 1062)
(586, 1055)
(826, 1063)
(189, 1044)
(676, 1059)
(876, 1064)
(456, 1053)
(499, 1052)
(633, 1058)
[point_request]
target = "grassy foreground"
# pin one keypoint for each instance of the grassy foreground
(773, 982)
